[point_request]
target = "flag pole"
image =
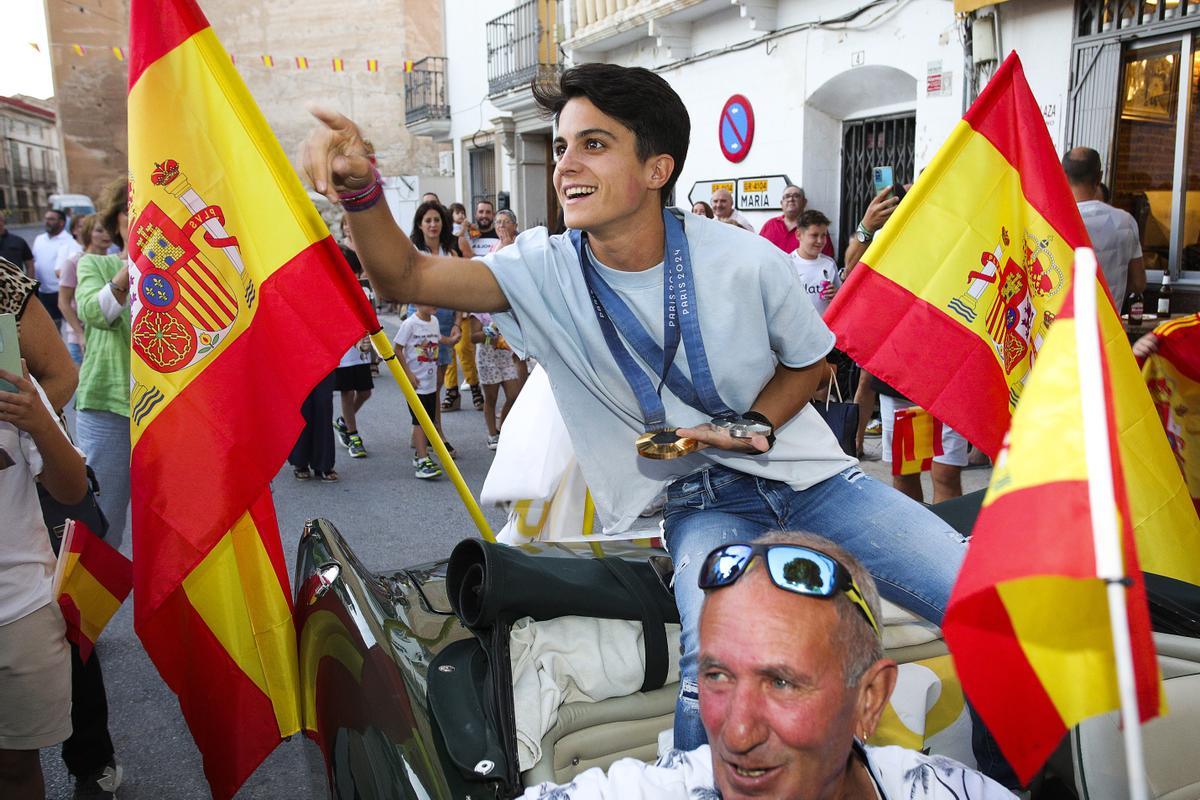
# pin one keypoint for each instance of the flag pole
(1110, 565)
(383, 346)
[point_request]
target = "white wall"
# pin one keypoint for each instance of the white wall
(781, 77)
(1040, 33)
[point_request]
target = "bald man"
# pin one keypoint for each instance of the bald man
(722, 206)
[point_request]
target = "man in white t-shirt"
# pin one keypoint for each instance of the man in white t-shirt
(722, 206)
(483, 233)
(818, 273)
(1113, 232)
(45, 258)
(754, 456)
(792, 685)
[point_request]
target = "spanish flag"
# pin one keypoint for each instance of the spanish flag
(952, 301)
(916, 439)
(339, 65)
(372, 65)
(1173, 377)
(301, 62)
(242, 303)
(1028, 620)
(90, 583)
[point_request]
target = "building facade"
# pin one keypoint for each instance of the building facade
(836, 89)
(30, 159)
(285, 51)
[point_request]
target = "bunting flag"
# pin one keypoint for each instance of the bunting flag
(35, 46)
(916, 439)
(1028, 620)
(90, 583)
(119, 53)
(372, 65)
(232, 265)
(951, 302)
(78, 49)
(268, 61)
(339, 65)
(408, 66)
(1173, 377)
(301, 62)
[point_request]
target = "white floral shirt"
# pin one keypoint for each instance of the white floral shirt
(899, 774)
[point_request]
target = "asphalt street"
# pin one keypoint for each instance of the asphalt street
(391, 519)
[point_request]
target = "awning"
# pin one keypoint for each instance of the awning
(963, 6)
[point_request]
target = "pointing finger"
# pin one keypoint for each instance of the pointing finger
(334, 120)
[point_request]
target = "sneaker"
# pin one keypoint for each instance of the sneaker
(102, 784)
(342, 431)
(493, 442)
(875, 428)
(426, 469)
(356, 447)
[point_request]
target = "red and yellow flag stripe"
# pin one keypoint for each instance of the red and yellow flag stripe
(916, 439)
(94, 581)
(243, 303)
(967, 275)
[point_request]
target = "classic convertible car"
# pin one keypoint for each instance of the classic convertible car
(427, 681)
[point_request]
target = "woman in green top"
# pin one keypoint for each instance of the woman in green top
(102, 399)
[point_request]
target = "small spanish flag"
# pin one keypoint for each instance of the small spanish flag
(408, 65)
(90, 583)
(78, 49)
(372, 65)
(119, 53)
(301, 62)
(268, 61)
(339, 65)
(916, 439)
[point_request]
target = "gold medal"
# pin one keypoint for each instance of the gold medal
(664, 445)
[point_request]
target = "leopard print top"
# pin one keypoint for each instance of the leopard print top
(15, 289)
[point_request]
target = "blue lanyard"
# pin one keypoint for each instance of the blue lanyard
(680, 320)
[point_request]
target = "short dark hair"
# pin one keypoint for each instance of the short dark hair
(61, 214)
(637, 98)
(113, 201)
(1082, 165)
(811, 217)
(484, 200)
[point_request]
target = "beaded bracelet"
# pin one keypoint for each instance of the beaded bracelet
(362, 199)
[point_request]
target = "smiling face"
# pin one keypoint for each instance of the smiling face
(431, 225)
(722, 203)
(793, 202)
(601, 182)
(773, 695)
(99, 240)
(485, 215)
(811, 240)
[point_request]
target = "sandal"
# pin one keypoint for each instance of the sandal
(477, 396)
(329, 477)
(452, 400)
(302, 473)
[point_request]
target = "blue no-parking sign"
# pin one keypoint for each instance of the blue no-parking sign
(735, 130)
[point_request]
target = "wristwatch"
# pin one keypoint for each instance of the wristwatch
(862, 234)
(747, 426)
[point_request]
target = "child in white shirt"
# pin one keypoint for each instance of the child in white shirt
(417, 346)
(818, 272)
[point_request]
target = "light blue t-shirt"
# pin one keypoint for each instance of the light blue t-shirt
(753, 314)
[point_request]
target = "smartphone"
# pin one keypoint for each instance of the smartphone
(883, 177)
(898, 190)
(10, 350)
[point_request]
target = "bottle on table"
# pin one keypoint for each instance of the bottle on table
(1136, 305)
(1164, 297)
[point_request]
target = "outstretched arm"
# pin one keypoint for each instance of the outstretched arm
(335, 160)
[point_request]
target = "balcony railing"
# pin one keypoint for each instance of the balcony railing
(523, 45)
(425, 91)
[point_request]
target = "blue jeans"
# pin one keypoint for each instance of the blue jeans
(76, 351)
(104, 439)
(913, 555)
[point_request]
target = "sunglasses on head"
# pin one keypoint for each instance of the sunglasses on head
(792, 568)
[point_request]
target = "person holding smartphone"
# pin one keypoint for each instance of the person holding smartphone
(35, 660)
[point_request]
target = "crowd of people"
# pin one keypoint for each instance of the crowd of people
(480, 316)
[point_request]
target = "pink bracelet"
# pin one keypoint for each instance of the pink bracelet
(362, 199)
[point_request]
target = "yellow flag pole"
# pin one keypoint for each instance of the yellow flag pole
(383, 346)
